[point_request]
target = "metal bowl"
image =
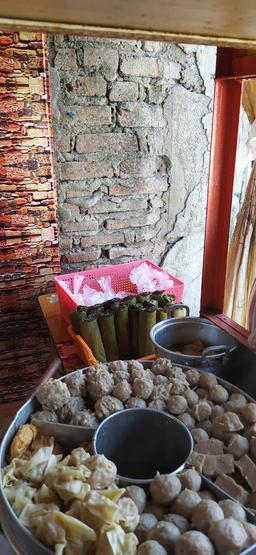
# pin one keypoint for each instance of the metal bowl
(143, 441)
(186, 330)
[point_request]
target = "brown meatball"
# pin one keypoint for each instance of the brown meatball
(106, 406)
(161, 391)
(238, 446)
(202, 393)
(217, 410)
(143, 388)
(187, 419)
(164, 488)
(179, 521)
(233, 509)
(218, 394)
(186, 502)
(120, 376)
(201, 411)
(194, 543)
(228, 536)
(192, 376)
(192, 397)
(179, 387)
(76, 384)
(199, 434)
(118, 366)
(160, 366)
(207, 380)
(151, 547)
(157, 510)
(165, 533)
(159, 380)
(122, 391)
(205, 513)
(99, 382)
(135, 403)
(248, 412)
(53, 395)
(45, 415)
(146, 522)
(84, 418)
(177, 404)
(191, 479)
(74, 405)
(158, 404)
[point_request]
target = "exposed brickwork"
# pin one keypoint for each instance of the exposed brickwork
(29, 253)
(129, 162)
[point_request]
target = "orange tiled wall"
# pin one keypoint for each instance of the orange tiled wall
(29, 253)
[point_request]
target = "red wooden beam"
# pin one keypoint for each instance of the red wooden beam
(222, 166)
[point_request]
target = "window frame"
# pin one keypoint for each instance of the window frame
(232, 67)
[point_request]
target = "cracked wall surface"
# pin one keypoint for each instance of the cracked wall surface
(132, 122)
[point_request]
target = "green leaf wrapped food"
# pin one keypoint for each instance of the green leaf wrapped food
(130, 299)
(141, 297)
(112, 304)
(90, 332)
(133, 319)
(75, 316)
(123, 331)
(108, 334)
(146, 320)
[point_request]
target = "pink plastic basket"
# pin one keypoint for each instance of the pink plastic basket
(120, 282)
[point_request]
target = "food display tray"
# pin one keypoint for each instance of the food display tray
(19, 537)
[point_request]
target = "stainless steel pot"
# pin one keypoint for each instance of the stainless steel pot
(186, 330)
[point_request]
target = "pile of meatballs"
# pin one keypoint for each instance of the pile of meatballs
(183, 518)
(223, 424)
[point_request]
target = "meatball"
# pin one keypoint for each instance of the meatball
(207, 426)
(160, 366)
(161, 391)
(135, 366)
(207, 381)
(151, 547)
(201, 411)
(122, 391)
(217, 410)
(205, 513)
(135, 403)
(192, 397)
(199, 434)
(146, 522)
(164, 488)
(120, 376)
(233, 509)
(192, 376)
(76, 384)
(73, 406)
(53, 395)
(138, 495)
(165, 533)
(202, 393)
(99, 382)
(248, 412)
(179, 521)
(228, 536)
(177, 404)
(118, 366)
(191, 479)
(178, 387)
(238, 446)
(218, 394)
(84, 418)
(159, 380)
(143, 388)
(238, 398)
(175, 372)
(158, 404)
(45, 415)
(106, 406)
(186, 502)
(187, 419)
(194, 543)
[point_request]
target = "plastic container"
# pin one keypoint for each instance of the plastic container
(120, 279)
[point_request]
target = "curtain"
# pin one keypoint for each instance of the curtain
(241, 262)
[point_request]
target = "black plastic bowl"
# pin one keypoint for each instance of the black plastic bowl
(143, 441)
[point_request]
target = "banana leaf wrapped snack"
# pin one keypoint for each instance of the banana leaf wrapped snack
(146, 320)
(123, 331)
(134, 327)
(108, 334)
(90, 332)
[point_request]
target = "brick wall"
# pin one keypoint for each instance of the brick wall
(125, 183)
(29, 252)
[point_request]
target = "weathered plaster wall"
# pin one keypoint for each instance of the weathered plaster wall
(131, 123)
